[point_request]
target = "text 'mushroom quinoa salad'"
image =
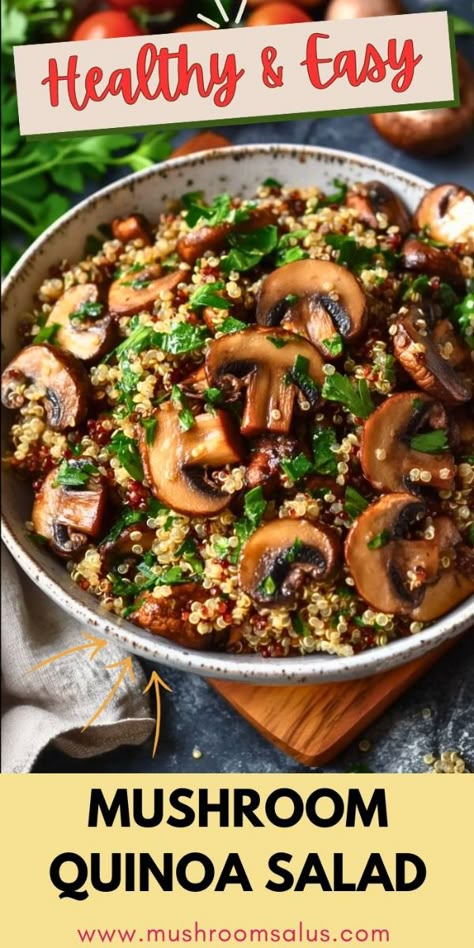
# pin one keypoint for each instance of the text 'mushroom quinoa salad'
(249, 428)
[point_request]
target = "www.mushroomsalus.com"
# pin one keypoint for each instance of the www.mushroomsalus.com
(299, 933)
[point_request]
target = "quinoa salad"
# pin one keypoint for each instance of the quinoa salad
(249, 427)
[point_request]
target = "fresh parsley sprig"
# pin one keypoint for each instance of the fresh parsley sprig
(357, 398)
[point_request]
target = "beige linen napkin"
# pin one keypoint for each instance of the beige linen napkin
(54, 703)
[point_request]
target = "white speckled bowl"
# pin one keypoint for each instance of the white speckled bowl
(238, 170)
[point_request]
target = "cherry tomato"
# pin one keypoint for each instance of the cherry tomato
(270, 14)
(154, 6)
(108, 24)
(192, 28)
(306, 4)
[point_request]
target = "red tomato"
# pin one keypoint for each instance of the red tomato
(192, 28)
(306, 4)
(155, 6)
(109, 24)
(270, 14)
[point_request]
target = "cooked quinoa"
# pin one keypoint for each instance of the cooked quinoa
(330, 511)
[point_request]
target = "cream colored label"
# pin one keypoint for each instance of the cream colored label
(221, 75)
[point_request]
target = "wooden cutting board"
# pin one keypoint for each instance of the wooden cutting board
(313, 722)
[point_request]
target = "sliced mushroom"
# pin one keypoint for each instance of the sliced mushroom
(86, 336)
(352, 9)
(59, 374)
(446, 213)
(386, 455)
(418, 354)
(454, 582)
(329, 300)
(449, 344)
(431, 131)
(169, 617)
(263, 361)
(135, 227)
(264, 468)
(374, 198)
(67, 516)
(135, 292)
(422, 258)
(178, 462)
(201, 239)
(121, 547)
(282, 556)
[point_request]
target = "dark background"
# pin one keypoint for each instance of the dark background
(437, 713)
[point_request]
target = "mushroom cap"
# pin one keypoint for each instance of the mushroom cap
(197, 241)
(175, 464)
(134, 227)
(67, 516)
(447, 213)
(87, 339)
(289, 552)
(169, 616)
(62, 376)
(385, 453)
(353, 9)
(421, 257)
(417, 352)
(375, 197)
(125, 299)
(329, 299)
(264, 360)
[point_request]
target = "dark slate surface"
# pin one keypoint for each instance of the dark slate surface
(437, 713)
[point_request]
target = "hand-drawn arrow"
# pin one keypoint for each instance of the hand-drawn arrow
(155, 681)
(91, 641)
(126, 668)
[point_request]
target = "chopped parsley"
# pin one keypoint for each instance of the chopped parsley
(297, 467)
(431, 442)
(149, 424)
(128, 518)
(213, 396)
(277, 341)
(339, 388)
(74, 473)
(294, 551)
(356, 257)
(338, 197)
(247, 250)
(267, 586)
(463, 313)
(126, 450)
(87, 311)
(188, 550)
(379, 540)
(299, 375)
(354, 503)
(47, 333)
(254, 509)
(183, 338)
(207, 295)
(271, 183)
(299, 625)
(286, 252)
(180, 402)
(220, 211)
(334, 345)
(325, 461)
(231, 324)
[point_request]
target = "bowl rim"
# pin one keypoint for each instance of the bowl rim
(251, 668)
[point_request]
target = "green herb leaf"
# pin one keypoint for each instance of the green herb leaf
(180, 402)
(254, 509)
(127, 518)
(149, 424)
(461, 27)
(188, 550)
(470, 534)
(325, 461)
(299, 625)
(47, 333)
(231, 324)
(432, 442)
(249, 249)
(213, 396)
(339, 388)
(463, 314)
(74, 473)
(126, 450)
(334, 345)
(267, 586)
(271, 183)
(338, 197)
(354, 503)
(277, 341)
(379, 540)
(294, 551)
(299, 374)
(297, 467)
(207, 295)
(86, 311)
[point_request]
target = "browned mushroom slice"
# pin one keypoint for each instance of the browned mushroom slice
(398, 575)
(201, 239)
(121, 546)
(59, 374)
(135, 227)
(67, 516)
(374, 198)
(281, 557)
(422, 258)
(449, 344)
(264, 468)
(446, 213)
(418, 354)
(387, 451)
(265, 362)
(178, 462)
(315, 298)
(83, 329)
(454, 582)
(134, 292)
(169, 616)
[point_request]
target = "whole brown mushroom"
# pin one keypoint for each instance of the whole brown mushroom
(431, 131)
(354, 9)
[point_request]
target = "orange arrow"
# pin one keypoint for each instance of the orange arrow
(126, 668)
(156, 681)
(91, 641)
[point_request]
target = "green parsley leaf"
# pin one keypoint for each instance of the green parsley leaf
(213, 396)
(461, 27)
(351, 254)
(220, 546)
(149, 424)
(294, 551)
(271, 183)
(338, 197)
(188, 550)
(180, 402)
(267, 586)
(354, 503)
(431, 442)
(379, 540)
(126, 450)
(231, 324)
(86, 311)
(299, 625)
(207, 295)
(277, 341)
(296, 467)
(339, 388)
(325, 461)
(463, 314)
(247, 250)
(254, 509)
(299, 375)
(127, 518)
(47, 333)
(334, 345)
(74, 473)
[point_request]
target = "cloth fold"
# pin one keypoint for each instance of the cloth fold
(55, 702)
